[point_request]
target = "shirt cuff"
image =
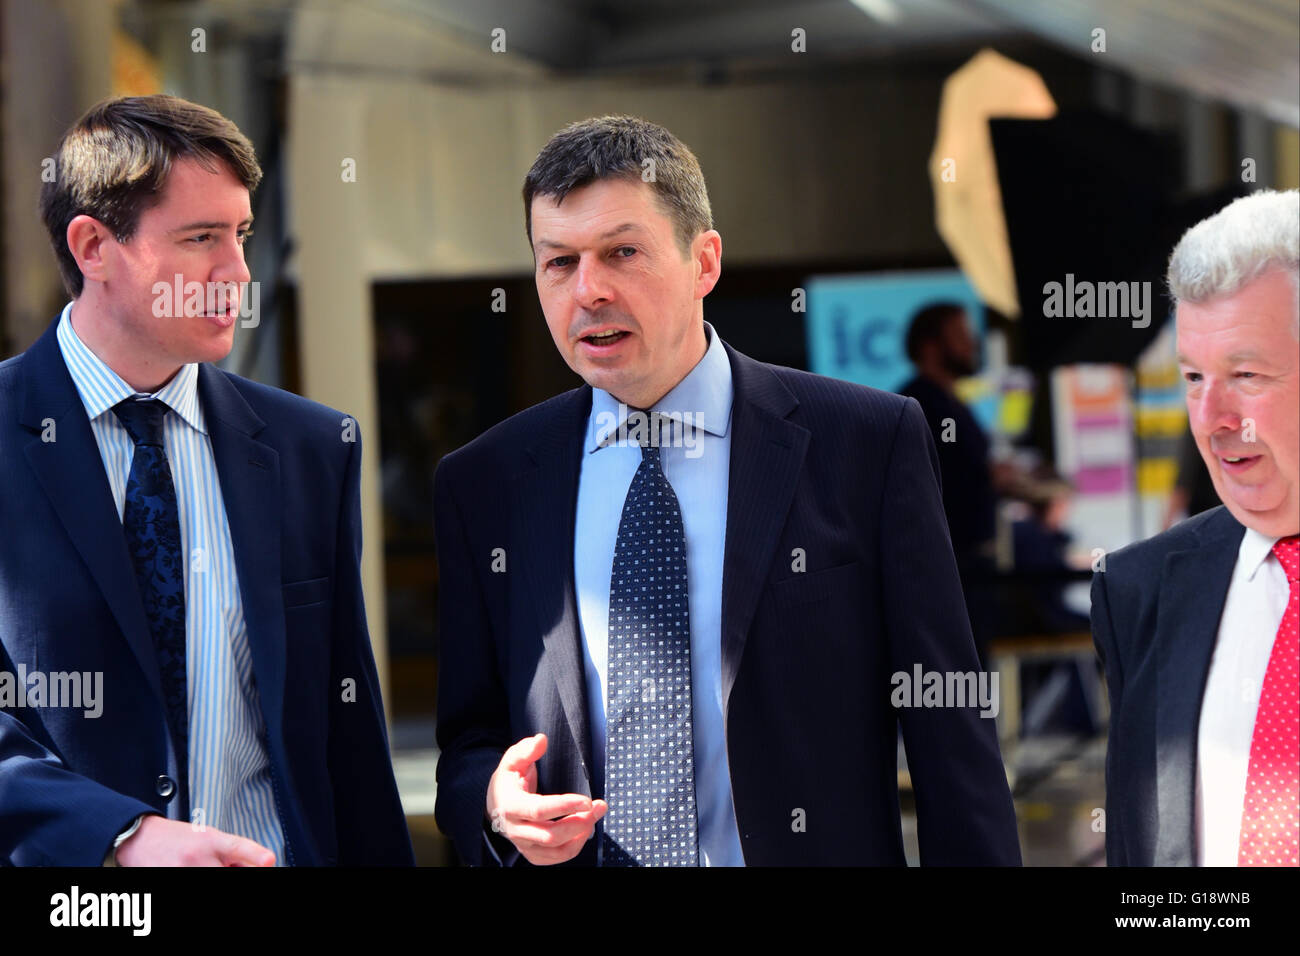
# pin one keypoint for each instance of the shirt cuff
(110, 858)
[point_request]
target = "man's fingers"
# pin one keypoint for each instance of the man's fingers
(544, 807)
(236, 851)
(524, 754)
(547, 856)
(554, 833)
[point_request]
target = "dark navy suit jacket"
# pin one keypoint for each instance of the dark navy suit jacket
(1155, 620)
(69, 602)
(845, 473)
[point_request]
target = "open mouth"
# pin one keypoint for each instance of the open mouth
(608, 337)
(1235, 463)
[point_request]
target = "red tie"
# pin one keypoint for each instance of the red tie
(1270, 822)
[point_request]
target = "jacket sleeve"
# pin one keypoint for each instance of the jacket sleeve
(370, 825)
(473, 712)
(963, 805)
(1103, 636)
(49, 815)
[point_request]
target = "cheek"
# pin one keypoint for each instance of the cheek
(557, 319)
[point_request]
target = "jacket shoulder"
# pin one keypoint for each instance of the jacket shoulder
(500, 449)
(1183, 536)
(822, 391)
(280, 408)
(10, 371)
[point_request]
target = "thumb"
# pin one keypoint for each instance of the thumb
(241, 852)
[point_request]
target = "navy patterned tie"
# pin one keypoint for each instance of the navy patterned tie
(649, 764)
(152, 526)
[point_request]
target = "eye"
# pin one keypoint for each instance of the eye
(1245, 375)
(244, 236)
(204, 237)
(559, 262)
(1192, 377)
(622, 249)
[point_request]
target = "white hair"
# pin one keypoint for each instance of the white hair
(1244, 240)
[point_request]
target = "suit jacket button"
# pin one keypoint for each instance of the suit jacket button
(165, 786)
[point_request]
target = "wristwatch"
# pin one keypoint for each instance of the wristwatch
(110, 858)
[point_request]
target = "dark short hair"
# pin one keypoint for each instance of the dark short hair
(112, 165)
(928, 324)
(617, 147)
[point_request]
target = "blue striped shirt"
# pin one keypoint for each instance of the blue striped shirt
(229, 771)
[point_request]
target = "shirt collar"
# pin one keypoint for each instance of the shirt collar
(101, 388)
(704, 394)
(1254, 551)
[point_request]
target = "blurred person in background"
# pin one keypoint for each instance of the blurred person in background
(941, 345)
(1193, 490)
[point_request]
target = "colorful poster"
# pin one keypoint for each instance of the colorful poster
(857, 324)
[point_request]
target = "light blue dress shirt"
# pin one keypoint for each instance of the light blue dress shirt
(696, 460)
(229, 771)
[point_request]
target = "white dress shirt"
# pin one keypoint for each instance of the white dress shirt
(1257, 598)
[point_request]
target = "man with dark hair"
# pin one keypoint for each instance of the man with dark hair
(943, 349)
(183, 540)
(672, 599)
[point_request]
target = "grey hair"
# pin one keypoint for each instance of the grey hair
(1241, 242)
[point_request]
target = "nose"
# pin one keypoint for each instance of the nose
(1214, 409)
(591, 288)
(230, 265)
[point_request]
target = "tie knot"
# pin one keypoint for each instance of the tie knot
(143, 420)
(1288, 553)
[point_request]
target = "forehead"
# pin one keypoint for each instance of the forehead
(596, 210)
(191, 186)
(1260, 314)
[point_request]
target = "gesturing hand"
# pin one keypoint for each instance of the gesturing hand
(545, 828)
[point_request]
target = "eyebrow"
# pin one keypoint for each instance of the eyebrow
(1241, 355)
(616, 231)
(210, 224)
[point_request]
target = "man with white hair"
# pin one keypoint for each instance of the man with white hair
(1197, 626)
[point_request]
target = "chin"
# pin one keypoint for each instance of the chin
(1275, 521)
(215, 350)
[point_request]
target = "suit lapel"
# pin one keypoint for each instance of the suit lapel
(1193, 590)
(249, 472)
(71, 471)
(546, 491)
(767, 453)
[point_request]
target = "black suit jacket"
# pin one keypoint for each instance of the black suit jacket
(1155, 619)
(846, 473)
(69, 602)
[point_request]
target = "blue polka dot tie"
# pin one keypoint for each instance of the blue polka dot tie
(151, 523)
(649, 763)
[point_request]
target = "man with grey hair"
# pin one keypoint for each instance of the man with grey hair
(1197, 626)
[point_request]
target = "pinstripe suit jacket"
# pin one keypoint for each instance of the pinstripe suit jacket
(847, 474)
(69, 602)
